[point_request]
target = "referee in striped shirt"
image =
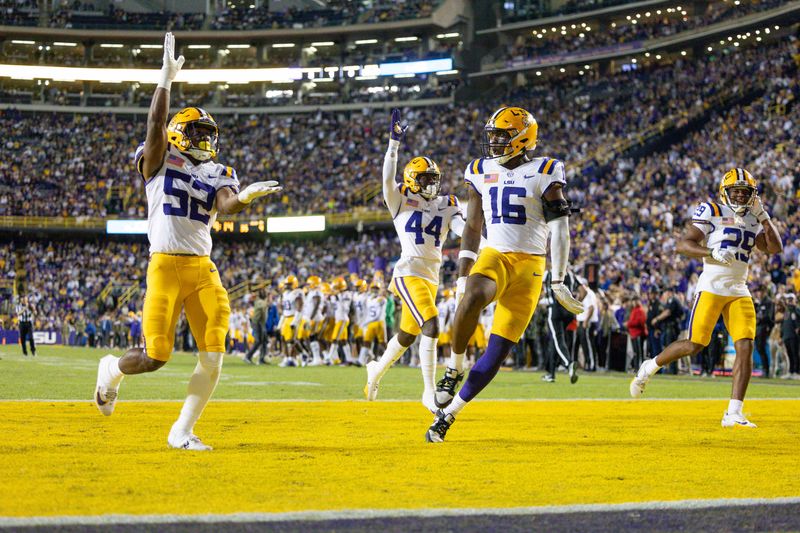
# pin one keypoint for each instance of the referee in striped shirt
(25, 318)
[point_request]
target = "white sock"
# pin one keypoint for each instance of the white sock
(394, 350)
(201, 385)
(427, 363)
(115, 373)
(735, 407)
(649, 367)
(348, 355)
(457, 360)
(332, 352)
(363, 355)
(455, 406)
(315, 350)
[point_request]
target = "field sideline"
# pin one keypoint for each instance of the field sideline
(295, 455)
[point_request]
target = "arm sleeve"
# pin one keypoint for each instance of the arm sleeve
(391, 192)
(701, 219)
(559, 246)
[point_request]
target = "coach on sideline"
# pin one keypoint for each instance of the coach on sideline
(25, 318)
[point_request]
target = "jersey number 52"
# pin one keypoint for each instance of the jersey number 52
(186, 205)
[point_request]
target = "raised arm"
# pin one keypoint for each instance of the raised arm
(768, 241)
(391, 194)
(155, 144)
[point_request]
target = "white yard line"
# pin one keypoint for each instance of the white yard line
(106, 520)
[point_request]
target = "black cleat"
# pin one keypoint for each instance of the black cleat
(441, 424)
(446, 388)
(573, 372)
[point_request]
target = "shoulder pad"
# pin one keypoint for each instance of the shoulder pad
(475, 167)
(548, 165)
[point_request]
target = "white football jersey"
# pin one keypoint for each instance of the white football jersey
(360, 307)
(441, 308)
(512, 202)
(724, 230)
(342, 302)
(181, 202)
(422, 227)
(288, 301)
(308, 305)
(376, 309)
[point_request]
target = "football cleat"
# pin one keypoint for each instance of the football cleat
(371, 388)
(572, 370)
(438, 429)
(189, 442)
(446, 388)
(736, 419)
(105, 394)
(549, 378)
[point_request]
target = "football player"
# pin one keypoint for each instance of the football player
(360, 297)
(375, 320)
(312, 319)
(521, 200)
(186, 189)
(443, 308)
(422, 219)
(291, 303)
(342, 300)
(723, 235)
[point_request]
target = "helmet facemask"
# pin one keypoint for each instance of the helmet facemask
(203, 140)
(739, 197)
(497, 142)
(429, 183)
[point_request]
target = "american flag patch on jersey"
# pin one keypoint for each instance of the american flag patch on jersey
(490, 178)
(728, 220)
(412, 203)
(175, 160)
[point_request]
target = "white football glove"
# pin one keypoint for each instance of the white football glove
(171, 65)
(565, 298)
(722, 256)
(461, 288)
(257, 190)
(758, 211)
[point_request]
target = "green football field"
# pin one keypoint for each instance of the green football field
(66, 373)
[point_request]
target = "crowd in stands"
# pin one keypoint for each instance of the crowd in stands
(79, 14)
(336, 13)
(329, 162)
(19, 12)
(532, 9)
(544, 42)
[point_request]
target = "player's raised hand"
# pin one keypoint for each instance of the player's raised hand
(758, 211)
(257, 190)
(397, 129)
(171, 65)
(565, 298)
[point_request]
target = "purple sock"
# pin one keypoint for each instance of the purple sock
(486, 367)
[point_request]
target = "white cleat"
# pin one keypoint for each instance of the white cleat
(429, 401)
(638, 384)
(371, 388)
(736, 419)
(105, 395)
(189, 442)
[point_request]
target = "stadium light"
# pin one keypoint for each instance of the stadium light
(447, 72)
(234, 46)
(152, 46)
(295, 224)
(199, 46)
(367, 41)
(406, 39)
(283, 45)
(22, 42)
(447, 35)
(366, 78)
(58, 43)
(111, 45)
(322, 43)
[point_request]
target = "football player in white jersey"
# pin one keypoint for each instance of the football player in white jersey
(291, 304)
(360, 297)
(342, 300)
(723, 235)
(186, 189)
(311, 319)
(422, 219)
(375, 318)
(521, 200)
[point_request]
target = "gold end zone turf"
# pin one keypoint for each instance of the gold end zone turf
(66, 459)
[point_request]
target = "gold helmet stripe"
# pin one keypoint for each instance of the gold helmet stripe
(740, 174)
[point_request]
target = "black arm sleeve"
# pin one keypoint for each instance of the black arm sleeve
(555, 209)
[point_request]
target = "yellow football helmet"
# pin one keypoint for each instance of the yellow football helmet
(291, 281)
(339, 284)
(361, 285)
(281, 284)
(194, 132)
(326, 288)
(313, 282)
(510, 131)
(738, 178)
(422, 176)
(376, 284)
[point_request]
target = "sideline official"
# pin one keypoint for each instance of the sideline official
(25, 318)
